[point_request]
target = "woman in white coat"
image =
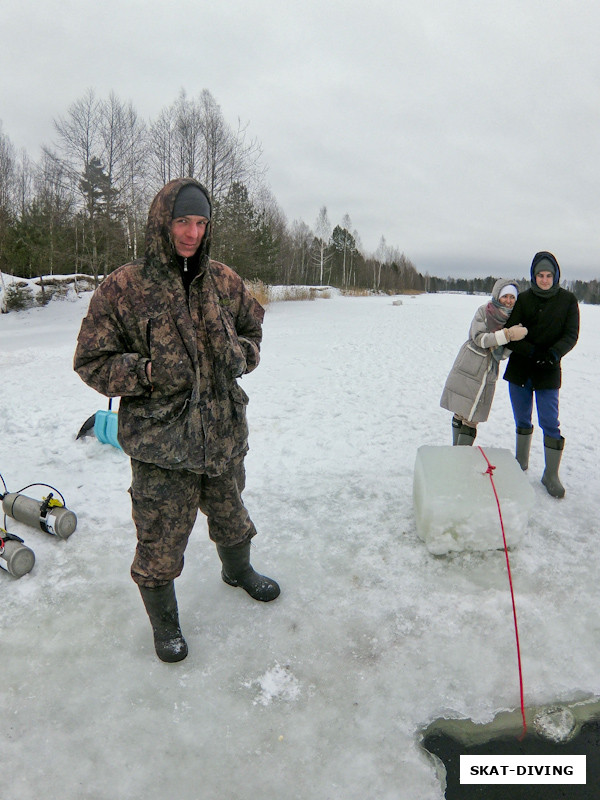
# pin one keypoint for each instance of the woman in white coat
(470, 386)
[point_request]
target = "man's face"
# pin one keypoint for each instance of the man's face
(544, 279)
(187, 234)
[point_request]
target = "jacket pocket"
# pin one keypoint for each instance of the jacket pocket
(239, 401)
(473, 362)
(156, 430)
(161, 409)
(235, 353)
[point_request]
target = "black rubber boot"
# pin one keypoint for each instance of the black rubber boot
(237, 571)
(523, 447)
(553, 452)
(161, 606)
(456, 427)
(466, 436)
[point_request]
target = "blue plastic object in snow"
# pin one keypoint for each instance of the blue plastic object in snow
(105, 427)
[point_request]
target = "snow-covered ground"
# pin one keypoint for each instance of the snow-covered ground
(322, 694)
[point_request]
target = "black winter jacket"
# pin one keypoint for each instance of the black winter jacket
(553, 326)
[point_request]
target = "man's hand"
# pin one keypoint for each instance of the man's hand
(546, 358)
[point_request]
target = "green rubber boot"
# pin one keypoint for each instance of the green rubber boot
(161, 606)
(237, 571)
(523, 447)
(466, 436)
(553, 452)
(456, 427)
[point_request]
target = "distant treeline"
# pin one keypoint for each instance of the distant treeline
(584, 291)
(82, 208)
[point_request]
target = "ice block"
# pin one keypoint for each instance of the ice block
(454, 501)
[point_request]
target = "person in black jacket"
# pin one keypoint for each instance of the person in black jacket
(551, 316)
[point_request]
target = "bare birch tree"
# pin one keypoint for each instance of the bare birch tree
(322, 236)
(191, 138)
(136, 186)
(7, 177)
(7, 173)
(381, 255)
(78, 135)
(24, 183)
(123, 158)
(78, 146)
(301, 242)
(55, 204)
(161, 144)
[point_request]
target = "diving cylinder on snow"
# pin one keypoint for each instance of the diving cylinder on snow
(15, 557)
(50, 516)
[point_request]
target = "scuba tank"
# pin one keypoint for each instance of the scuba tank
(15, 558)
(48, 514)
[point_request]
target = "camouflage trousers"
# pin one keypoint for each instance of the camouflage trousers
(165, 505)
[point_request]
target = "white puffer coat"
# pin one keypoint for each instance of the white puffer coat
(470, 386)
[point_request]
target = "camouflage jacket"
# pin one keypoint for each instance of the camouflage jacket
(193, 414)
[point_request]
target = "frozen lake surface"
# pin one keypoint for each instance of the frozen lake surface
(322, 694)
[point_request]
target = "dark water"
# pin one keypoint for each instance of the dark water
(586, 741)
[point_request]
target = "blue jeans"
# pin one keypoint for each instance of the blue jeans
(546, 401)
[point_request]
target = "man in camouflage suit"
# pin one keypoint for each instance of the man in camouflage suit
(170, 334)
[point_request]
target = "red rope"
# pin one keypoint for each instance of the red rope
(489, 471)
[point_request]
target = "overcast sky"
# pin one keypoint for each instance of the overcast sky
(466, 133)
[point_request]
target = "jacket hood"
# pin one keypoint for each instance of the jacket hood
(158, 238)
(548, 256)
(500, 284)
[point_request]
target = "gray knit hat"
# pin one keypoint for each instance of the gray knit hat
(191, 200)
(544, 265)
